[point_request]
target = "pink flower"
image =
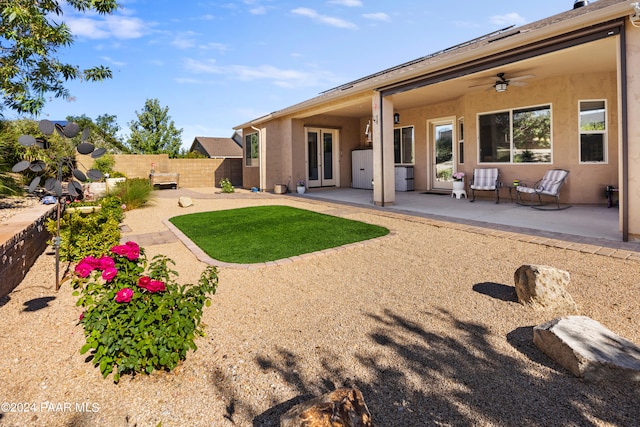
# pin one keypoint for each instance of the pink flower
(124, 207)
(83, 269)
(131, 250)
(150, 285)
(156, 286)
(109, 273)
(106, 262)
(144, 281)
(81, 316)
(91, 261)
(124, 295)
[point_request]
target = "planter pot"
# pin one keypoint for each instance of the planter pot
(301, 190)
(458, 185)
(280, 189)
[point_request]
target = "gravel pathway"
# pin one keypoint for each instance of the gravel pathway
(424, 323)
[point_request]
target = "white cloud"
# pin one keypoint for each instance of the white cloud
(184, 40)
(324, 19)
(102, 27)
(380, 16)
(220, 47)
(113, 62)
(261, 10)
(348, 3)
(508, 19)
(277, 76)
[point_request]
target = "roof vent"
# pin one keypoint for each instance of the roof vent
(580, 3)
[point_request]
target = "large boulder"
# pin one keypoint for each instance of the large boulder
(543, 287)
(589, 350)
(344, 407)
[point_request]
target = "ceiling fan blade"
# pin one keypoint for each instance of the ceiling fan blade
(480, 85)
(526, 76)
(517, 83)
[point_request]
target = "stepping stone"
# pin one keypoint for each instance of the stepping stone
(589, 350)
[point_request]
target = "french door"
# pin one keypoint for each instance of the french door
(322, 157)
(441, 136)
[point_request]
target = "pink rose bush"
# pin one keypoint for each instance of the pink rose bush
(133, 307)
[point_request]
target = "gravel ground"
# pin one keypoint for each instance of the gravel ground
(424, 323)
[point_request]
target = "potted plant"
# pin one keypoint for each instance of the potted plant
(458, 180)
(301, 187)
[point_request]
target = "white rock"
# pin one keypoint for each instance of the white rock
(589, 350)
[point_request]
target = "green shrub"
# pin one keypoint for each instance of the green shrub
(89, 234)
(137, 321)
(226, 186)
(134, 193)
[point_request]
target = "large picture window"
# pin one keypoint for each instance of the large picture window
(251, 149)
(403, 145)
(593, 132)
(516, 136)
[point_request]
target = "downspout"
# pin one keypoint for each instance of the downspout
(625, 133)
(261, 160)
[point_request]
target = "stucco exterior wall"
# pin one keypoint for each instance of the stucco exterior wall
(633, 128)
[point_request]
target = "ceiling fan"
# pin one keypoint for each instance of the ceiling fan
(500, 85)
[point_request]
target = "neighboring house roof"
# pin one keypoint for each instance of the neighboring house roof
(440, 64)
(218, 147)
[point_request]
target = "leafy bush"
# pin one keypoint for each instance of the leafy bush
(226, 186)
(137, 321)
(93, 234)
(134, 193)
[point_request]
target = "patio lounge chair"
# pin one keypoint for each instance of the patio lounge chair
(485, 180)
(549, 185)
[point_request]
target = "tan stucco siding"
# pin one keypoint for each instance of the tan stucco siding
(633, 129)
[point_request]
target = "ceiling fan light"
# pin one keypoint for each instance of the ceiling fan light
(500, 86)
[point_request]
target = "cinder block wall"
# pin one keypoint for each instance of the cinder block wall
(23, 238)
(193, 172)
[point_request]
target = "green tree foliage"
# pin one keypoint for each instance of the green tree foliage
(104, 132)
(154, 132)
(30, 36)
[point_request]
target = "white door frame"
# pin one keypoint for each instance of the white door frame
(321, 180)
(436, 184)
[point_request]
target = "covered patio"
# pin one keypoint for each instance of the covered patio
(595, 224)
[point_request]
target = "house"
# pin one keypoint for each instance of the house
(561, 92)
(228, 149)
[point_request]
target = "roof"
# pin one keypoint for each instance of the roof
(217, 147)
(481, 47)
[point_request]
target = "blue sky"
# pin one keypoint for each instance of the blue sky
(218, 64)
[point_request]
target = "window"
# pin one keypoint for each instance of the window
(251, 146)
(516, 136)
(593, 131)
(403, 145)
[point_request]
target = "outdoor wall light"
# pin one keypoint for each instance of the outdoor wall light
(500, 86)
(396, 118)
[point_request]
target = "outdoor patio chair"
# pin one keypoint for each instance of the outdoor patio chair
(549, 185)
(485, 180)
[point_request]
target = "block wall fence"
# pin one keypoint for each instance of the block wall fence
(193, 172)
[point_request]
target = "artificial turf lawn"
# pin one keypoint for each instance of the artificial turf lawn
(268, 233)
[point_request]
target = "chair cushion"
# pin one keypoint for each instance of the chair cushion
(485, 179)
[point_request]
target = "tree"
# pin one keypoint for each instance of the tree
(104, 132)
(154, 132)
(29, 40)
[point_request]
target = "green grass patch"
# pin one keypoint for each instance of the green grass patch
(268, 233)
